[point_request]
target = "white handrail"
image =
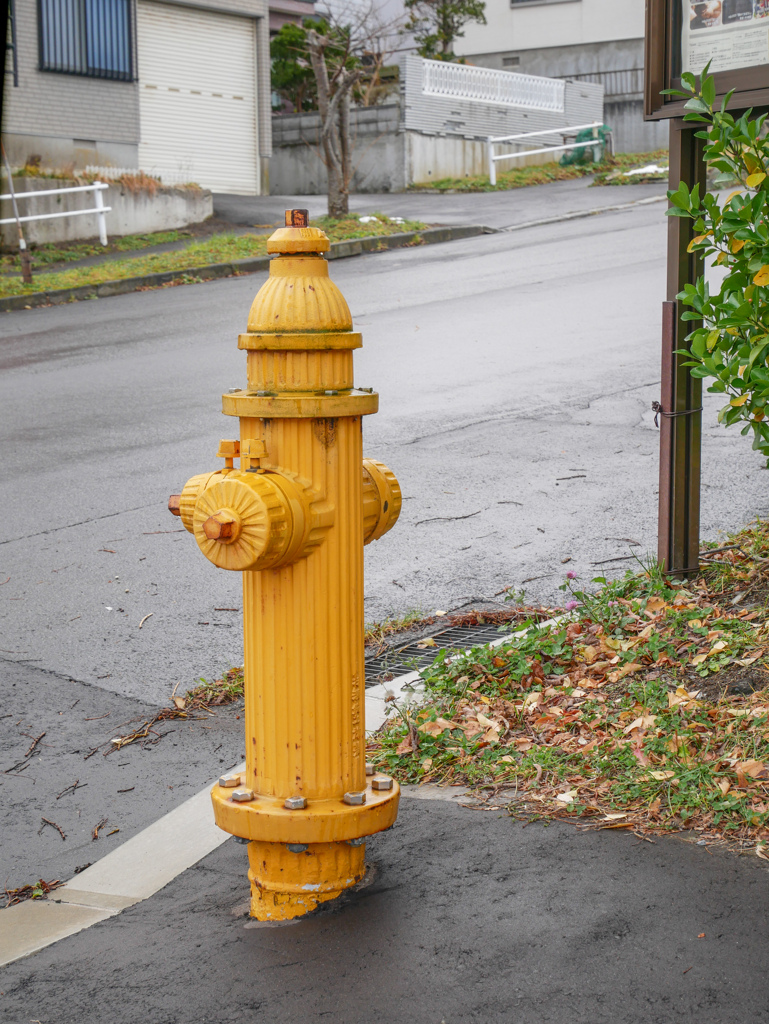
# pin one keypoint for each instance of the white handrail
(494, 159)
(100, 209)
(97, 186)
(548, 131)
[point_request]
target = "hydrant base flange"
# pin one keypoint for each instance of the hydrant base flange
(265, 819)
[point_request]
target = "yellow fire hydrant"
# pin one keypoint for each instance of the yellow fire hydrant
(293, 519)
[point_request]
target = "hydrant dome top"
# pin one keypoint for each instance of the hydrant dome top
(299, 296)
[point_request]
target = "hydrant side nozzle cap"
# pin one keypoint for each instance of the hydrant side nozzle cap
(297, 236)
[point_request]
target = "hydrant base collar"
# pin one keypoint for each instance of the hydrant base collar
(266, 819)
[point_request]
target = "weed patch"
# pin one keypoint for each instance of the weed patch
(521, 177)
(646, 707)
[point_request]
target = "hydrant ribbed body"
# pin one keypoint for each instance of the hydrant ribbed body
(294, 518)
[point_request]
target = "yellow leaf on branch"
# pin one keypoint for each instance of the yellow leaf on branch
(762, 277)
(696, 241)
(755, 179)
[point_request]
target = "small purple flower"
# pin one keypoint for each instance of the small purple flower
(571, 575)
(571, 605)
(613, 604)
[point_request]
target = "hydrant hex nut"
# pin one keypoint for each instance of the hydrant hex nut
(369, 768)
(355, 799)
(381, 782)
(242, 796)
(295, 803)
(224, 525)
(230, 780)
(297, 847)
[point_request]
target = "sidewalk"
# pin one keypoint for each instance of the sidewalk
(469, 917)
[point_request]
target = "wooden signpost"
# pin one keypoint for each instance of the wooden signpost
(684, 35)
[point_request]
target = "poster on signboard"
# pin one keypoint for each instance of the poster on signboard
(729, 34)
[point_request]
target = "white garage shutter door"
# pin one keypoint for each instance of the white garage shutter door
(197, 88)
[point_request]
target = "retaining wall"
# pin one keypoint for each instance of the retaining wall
(132, 212)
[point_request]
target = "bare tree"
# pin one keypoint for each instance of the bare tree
(351, 48)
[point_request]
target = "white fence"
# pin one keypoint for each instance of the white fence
(486, 85)
(99, 209)
(564, 133)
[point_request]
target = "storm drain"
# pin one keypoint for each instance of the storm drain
(397, 661)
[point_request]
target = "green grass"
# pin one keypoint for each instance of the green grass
(521, 177)
(54, 252)
(216, 249)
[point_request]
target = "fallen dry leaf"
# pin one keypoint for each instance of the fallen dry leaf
(437, 727)
(755, 769)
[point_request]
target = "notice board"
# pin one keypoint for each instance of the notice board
(684, 35)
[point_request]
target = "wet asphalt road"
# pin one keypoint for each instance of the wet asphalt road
(515, 372)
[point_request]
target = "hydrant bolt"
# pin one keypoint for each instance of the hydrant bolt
(355, 799)
(293, 517)
(295, 803)
(242, 796)
(369, 768)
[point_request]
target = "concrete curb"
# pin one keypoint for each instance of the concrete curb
(579, 214)
(213, 271)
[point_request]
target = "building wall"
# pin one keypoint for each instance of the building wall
(590, 40)
(379, 158)
(66, 118)
(71, 121)
(544, 24)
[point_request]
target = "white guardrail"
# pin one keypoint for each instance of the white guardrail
(563, 132)
(99, 209)
(487, 85)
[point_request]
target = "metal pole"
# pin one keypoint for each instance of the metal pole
(680, 407)
(26, 263)
(101, 215)
(492, 165)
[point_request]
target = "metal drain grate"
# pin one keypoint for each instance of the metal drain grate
(397, 661)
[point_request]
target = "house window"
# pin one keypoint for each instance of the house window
(86, 37)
